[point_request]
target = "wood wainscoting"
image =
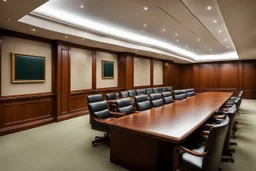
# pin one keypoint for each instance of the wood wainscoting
(26, 111)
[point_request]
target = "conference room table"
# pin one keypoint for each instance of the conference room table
(145, 140)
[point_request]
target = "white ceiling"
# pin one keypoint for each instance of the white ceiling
(93, 25)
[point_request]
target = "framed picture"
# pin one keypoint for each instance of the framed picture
(27, 68)
(107, 68)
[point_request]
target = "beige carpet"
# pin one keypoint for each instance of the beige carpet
(66, 146)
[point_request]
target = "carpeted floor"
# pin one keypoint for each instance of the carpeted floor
(66, 146)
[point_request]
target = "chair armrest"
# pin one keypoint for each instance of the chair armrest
(220, 116)
(116, 114)
(180, 148)
(209, 126)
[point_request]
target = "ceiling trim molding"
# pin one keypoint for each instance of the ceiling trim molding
(73, 26)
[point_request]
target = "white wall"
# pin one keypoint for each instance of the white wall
(141, 72)
(158, 72)
(81, 69)
(104, 83)
(29, 47)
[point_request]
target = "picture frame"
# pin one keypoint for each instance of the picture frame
(27, 68)
(107, 68)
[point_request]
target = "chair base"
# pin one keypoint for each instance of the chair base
(227, 159)
(101, 140)
(233, 143)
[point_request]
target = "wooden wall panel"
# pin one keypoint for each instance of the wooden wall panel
(26, 111)
(207, 76)
(63, 80)
(174, 76)
(229, 76)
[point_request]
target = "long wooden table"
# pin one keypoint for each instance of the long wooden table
(145, 140)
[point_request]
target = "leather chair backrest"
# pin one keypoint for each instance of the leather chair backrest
(159, 89)
(156, 100)
(240, 95)
(167, 97)
(112, 96)
(142, 102)
(214, 146)
(132, 93)
(94, 98)
(155, 90)
(231, 114)
(140, 91)
(149, 90)
(169, 88)
(164, 89)
(124, 94)
(179, 94)
(124, 106)
(99, 110)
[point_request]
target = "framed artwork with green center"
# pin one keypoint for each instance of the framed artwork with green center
(107, 68)
(27, 68)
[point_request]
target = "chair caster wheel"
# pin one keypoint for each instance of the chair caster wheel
(93, 144)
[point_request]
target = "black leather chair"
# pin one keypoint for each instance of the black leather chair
(167, 97)
(169, 88)
(112, 96)
(102, 116)
(203, 157)
(140, 91)
(156, 100)
(179, 94)
(124, 94)
(132, 93)
(164, 89)
(149, 90)
(92, 99)
(155, 90)
(142, 102)
(159, 89)
(124, 106)
(190, 92)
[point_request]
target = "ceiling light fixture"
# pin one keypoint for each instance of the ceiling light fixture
(5, 0)
(8, 19)
(225, 40)
(33, 29)
(210, 49)
(220, 31)
(205, 46)
(82, 6)
(198, 40)
(176, 34)
(145, 25)
(186, 46)
(163, 29)
(66, 37)
(209, 8)
(142, 30)
(177, 40)
(145, 8)
(215, 21)
(227, 46)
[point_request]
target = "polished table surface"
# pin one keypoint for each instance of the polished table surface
(174, 122)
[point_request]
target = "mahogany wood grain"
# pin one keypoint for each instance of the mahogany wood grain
(174, 122)
(151, 72)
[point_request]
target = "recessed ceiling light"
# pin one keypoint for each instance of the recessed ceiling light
(66, 37)
(198, 40)
(176, 34)
(82, 6)
(225, 40)
(177, 40)
(220, 31)
(186, 46)
(33, 29)
(142, 30)
(145, 8)
(163, 29)
(227, 46)
(145, 25)
(210, 49)
(209, 8)
(205, 46)
(82, 38)
(136, 50)
(5, 0)
(8, 19)
(215, 21)
(192, 50)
